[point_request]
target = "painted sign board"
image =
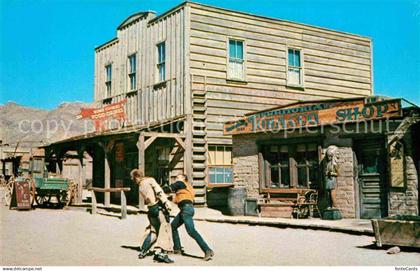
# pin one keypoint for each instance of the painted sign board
(396, 165)
(21, 197)
(312, 114)
(101, 115)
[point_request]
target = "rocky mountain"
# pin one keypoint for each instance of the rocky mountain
(25, 124)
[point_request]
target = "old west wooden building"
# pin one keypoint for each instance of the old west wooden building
(185, 72)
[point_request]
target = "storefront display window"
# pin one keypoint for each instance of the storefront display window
(290, 165)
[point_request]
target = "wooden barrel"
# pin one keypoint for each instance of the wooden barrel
(236, 200)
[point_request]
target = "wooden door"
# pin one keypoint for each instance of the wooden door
(372, 178)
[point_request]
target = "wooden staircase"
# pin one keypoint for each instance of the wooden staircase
(199, 145)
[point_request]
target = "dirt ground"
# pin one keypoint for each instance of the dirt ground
(44, 237)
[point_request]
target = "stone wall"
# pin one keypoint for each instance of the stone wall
(245, 164)
(404, 201)
(345, 181)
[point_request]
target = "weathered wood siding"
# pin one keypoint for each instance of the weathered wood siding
(336, 65)
(147, 103)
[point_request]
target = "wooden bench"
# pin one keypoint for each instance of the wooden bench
(112, 190)
(282, 202)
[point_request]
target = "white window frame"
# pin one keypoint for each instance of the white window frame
(244, 63)
(159, 64)
(217, 166)
(301, 68)
(130, 73)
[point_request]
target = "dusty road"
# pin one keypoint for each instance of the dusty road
(74, 237)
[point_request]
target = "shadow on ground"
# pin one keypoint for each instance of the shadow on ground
(386, 247)
(137, 248)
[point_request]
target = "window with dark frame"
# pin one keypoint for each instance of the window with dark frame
(108, 82)
(161, 62)
(132, 60)
(220, 165)
(290, 165)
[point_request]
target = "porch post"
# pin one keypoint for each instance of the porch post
(107, 179)
(82, 177)
(141, 167)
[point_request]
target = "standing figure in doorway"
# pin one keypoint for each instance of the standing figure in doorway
(159, 231)
(331, 173)
(184, 197)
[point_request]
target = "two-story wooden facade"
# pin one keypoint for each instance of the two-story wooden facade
(185, 72)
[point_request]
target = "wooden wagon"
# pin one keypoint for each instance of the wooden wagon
(48, 188)
(397, 231)
(44, 191)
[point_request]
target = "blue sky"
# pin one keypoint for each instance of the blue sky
(47, 47)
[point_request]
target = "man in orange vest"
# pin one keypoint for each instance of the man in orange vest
(184, 197)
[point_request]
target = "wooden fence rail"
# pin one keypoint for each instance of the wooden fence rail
(112, 190)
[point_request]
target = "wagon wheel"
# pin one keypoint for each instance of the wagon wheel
(9, 192)
(42, 199)
(64, 197)
(61, 198)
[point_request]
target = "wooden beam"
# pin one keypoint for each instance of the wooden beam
(94, 208)
(107, 179)
(80, 180)
(165, 135)
(149, 142)
(123, 205)
(176, 158)
(141, 148)
(180, 142)
(113, 189)
(141, 166)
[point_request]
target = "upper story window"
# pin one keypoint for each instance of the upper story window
(108, 81)
(220, 164)
(294, 67)
(161, 62)
(236, 65)
(132, 60)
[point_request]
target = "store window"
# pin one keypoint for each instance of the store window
(289, 165)
(220, 164)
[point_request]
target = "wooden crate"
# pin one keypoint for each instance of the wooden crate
(283, 210)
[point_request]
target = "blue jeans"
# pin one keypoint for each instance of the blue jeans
(153, 216)
(185, 216)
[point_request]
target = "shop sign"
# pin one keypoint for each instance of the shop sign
(314, 114)
(101, 116)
